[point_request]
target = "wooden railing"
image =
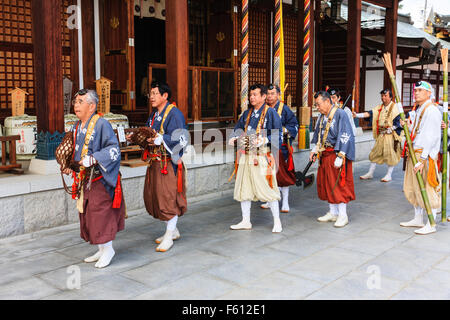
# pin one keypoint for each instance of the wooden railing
(12, 165)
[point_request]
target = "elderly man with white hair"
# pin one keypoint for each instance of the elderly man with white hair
(100, 200)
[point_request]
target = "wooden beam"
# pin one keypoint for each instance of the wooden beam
(382, 3)
(48, 74)
(177, 52)
(354, 50)
(390, 39)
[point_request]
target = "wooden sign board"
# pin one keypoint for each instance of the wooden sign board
(305, 116)
(67, 84)
(18, 101)
(104, 95)
(289, 101)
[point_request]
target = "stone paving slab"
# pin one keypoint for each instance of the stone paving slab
(198, 286)
(404, 263)
(431, 285)
(277, 285)
(114, 287)
(248, 268)
(354, 286)
(30, 266)
(328, 265)
(308, 260)
(164, 271)
(30, 288)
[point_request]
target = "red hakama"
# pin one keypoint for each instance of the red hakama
(285, 177)
(327, 175)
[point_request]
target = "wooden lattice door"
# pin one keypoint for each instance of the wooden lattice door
(16, 52)
(118, 37)
(259, 47)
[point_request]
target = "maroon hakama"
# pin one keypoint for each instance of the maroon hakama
(161, 197)
(285, 177)
(327, 175)
(100, 221)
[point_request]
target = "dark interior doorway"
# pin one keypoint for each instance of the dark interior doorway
(150, 47)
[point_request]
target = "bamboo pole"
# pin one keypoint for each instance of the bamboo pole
(444, 56)
(387, 62)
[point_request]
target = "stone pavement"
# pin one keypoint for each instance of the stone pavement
(371, 258)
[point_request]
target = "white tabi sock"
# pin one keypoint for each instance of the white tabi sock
(417, 221)
(389, 172)
(274, 207)
(428, 228)
(342, 207)
(388, 176)
(96, 256)
(342, 219)
(245, 207)
(107, 255)
(334, 209)
(369, 174)
(172, 224)
(245, 223)
(285, 200)
(372, 168)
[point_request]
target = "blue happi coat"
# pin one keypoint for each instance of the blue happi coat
(290, 122)
(271, 126)
(340, 135)
(176, 136)
(104, 147)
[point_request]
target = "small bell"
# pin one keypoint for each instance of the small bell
(255, 162)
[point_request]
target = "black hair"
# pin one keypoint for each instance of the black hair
(163, 88)
(323, 94)
(334, 91)
(384, 91)
(259, 86)
(273, 86)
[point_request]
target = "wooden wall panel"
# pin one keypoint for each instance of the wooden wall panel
(16, 51)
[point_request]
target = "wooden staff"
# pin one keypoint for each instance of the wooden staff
(387, 62)
(444, 56)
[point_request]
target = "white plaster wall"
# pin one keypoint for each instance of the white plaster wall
(374, 84)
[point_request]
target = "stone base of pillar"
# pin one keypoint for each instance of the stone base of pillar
(44, 167)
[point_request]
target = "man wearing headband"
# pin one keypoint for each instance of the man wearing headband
(386, 131)
(425, 133)
(286, 169)
(335, 96)
(100, 200)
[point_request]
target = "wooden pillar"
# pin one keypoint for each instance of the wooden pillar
(390, 38)
(87, 21)
(300, 34)
(312, 43)
(354, 49)
(47, 56)
(177, 51)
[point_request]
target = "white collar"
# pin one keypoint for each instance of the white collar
(425, 103)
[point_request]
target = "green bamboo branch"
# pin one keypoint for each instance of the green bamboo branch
(412, 154)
